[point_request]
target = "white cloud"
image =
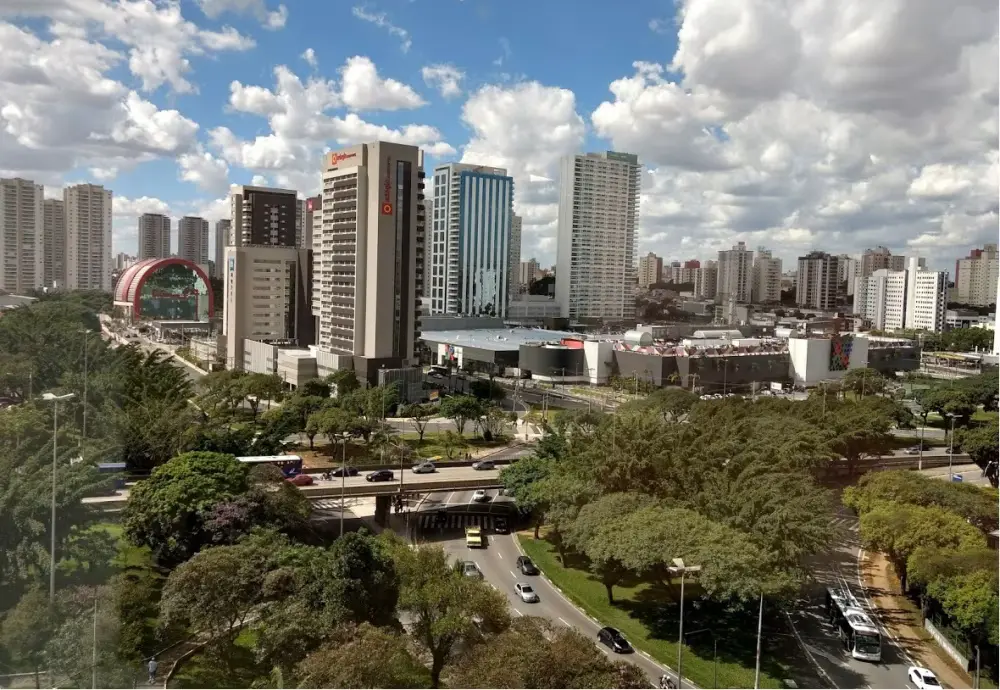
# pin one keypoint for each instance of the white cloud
(205, 170)
(363, 89)
(832, 125)
(309, 55)
(158, 39)
(269, 19)
(381, 20)
(447, 79)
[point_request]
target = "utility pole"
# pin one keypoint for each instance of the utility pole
(93, 650)
(760, 625)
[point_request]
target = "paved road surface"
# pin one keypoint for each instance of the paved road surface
(497, 564)
(820, 639)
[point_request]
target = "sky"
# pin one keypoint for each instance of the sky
(787, 124)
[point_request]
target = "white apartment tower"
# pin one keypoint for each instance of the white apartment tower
(192, 239)
(766, 285)
(706, 280)
(514, 258)
(88, 237)
(848, 269)
(817, 280)
(976, 277)
(926, 297)
(54, 231)
(470, 233)
(368, 256)
(154, 236)
(22, 246)
(734, 276)
(880, 299)
(650, 270)
(597, 235)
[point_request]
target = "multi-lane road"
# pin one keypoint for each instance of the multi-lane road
(497, 563)
(841, 566)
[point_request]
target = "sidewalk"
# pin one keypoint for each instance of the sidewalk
(901, 619)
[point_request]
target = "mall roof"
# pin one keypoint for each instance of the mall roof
(497, 339)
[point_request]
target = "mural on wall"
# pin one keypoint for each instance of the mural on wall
(174, 293)
(841, 347)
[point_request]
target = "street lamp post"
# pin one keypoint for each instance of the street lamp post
(682, 569)
(343, 478)
(86, 372)
(951, 448)
(715, 653)
(760, 625)
(55, 400)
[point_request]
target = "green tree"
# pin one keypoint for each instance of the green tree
(448, 612)
(344, 381)
(980, 443)
(534, 653)
(897, 530)
(671, 403)
(331, 422)
(496, 423)
(856, 431)
(971, 601)
(487, 391)
(419, 415)
(461, 409)
(27, 629)
(167, 511)
(257, 387)
(864, 381)
(451, 443)
(315, 388)
(520, 478)
(363, 656)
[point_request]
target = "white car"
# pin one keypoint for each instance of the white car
(480, 496)
(922, 679)
(527, 594)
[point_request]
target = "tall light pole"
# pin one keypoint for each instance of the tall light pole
(86, 377)
(680, 568)
(55, 400)
(760, 625)
(951, 447)
(343, 478)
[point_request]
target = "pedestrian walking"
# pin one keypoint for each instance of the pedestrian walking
(151, 667)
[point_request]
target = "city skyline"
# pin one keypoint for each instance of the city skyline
(784, 156)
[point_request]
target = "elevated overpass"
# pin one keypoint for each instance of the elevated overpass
(444, 479)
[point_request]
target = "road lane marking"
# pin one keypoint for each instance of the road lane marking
(809, 653)
(512, 574)
(876, 614)
(564, 621)
(448, 501)
(516, 611)
(500, 555)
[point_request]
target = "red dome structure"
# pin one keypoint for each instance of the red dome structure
(166, 289)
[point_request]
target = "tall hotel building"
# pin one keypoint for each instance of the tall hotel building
(267, 277)
(369, 258)
(54, 225)
(88, 237)
(470, 240)
(154, 236)
(597, 235)
(22, 246)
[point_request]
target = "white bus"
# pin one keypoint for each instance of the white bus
(859, 633)
(291, 465)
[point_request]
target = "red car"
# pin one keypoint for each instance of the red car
(301, 480)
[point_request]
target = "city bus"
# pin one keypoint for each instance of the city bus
(856, 629)
(290, 465)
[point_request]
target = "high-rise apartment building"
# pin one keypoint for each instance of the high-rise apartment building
(976, 277)
(513, 258)
(528, 272)
(369, 256)
(765, 287)
(223, 230)
(735, 269)
(54, 242)
(817, 280)
(22, 247)
(267, 298)
(262, 216)
(880, 299)
(123, 261)
(650, 270)
(469, 240)
(192, 239)
(926, 297)
(848, 270)
(706, 280)
(154, 236)
(597, 235)
(88, 237)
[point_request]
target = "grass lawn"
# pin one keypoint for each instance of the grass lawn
(647, 615)
(432, 445)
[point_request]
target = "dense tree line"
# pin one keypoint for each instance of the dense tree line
(934, 535)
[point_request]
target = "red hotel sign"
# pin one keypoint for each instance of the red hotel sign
(337, 158)
(387, 190)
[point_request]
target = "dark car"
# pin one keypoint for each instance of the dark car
(483, 465)
(342, 471)
(525, 565)
(380, 476)
(500, 526)
(614, 640)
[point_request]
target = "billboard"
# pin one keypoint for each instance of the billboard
(841, 347)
